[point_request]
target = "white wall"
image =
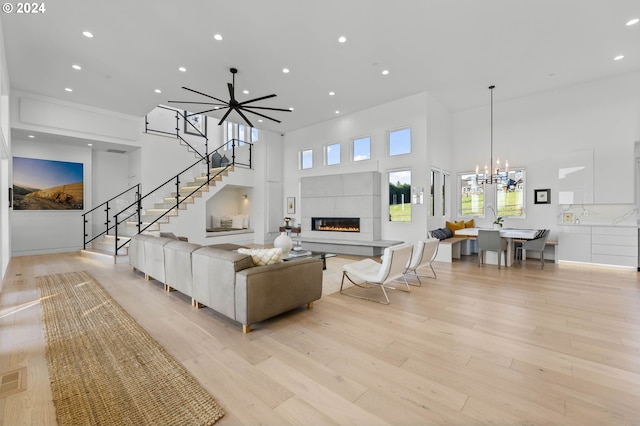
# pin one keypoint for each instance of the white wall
(537, 132)
(5, 162)
(376, 123)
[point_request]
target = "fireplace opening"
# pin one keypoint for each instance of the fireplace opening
(335, 224)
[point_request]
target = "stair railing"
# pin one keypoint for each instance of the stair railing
(192, 127)
(124, 215)
(107, 205)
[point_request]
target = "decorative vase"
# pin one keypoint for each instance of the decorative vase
(215, 160)
(497, 226)
(283, 241)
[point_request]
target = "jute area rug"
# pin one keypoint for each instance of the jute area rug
(105, 369)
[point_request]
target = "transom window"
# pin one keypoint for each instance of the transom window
(362, 148)
(332, 154)
(306, 159)
(400, 141)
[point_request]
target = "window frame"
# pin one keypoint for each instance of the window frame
(397, 130)
(326, 154)
(353, 148)
(407, 201)
(301, 158)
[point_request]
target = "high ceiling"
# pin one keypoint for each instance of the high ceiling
(453, 49)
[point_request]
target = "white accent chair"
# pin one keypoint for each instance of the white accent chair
(489, 240)
(424, 253)
(537, 244)
(368, 273)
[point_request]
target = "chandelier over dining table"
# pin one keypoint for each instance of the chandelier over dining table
(494, 174)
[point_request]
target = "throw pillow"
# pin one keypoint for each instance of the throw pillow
(469, 224)
(226, 223)
(439, 234)
(454, 226)
(447, 232)
(215, 222)
(236, 221)
(262, 257)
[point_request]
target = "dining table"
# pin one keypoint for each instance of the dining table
(509, 234)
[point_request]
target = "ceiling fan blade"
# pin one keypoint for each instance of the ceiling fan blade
(243, 116)
(196, 103)
(203, 94)
(269, 108)
(208, 110)
(257, 99)
(224, 117)
(262, 115)
(231, 92)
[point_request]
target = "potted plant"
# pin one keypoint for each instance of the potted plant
(287, 222)
(497, 224)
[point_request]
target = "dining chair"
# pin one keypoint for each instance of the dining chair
(368, 273)
(424, 253)
(536, 245)
(490, 240)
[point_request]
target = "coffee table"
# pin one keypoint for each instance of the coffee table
(302, 254)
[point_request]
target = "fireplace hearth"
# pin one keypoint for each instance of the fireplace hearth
(335, 224)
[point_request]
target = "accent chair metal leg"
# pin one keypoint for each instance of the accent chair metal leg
(384, 292)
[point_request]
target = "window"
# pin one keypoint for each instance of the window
(432, 194)
(362, 149)
(306, 159)
(471, 195)
(400, 142)
(510, 194)
(400, 196)
(241, 133)
(332, 153)
(444, 187)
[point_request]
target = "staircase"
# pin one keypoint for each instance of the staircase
(152, 219)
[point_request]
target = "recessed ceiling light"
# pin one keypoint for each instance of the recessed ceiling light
(385, 72)
(76, 67)
(291, 108)
(342, 39)
(633, 22)
(617, 58)
(68, 89)
(31, 136)
(337, 112)
(158, 91)
(285, 70)
(89, 144)
(183, 69)
(246, 92)
(217, 37)
(332, 93)
(87, 34)
(260, 120)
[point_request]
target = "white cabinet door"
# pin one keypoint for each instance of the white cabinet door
(574, 243)
(614, 246)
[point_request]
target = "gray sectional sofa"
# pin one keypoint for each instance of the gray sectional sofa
(226, 281)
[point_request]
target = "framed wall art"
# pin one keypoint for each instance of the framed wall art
(542, 196)
(195, 124)
(291, 205)
(47, 184)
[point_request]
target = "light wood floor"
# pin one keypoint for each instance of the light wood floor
(475, 346)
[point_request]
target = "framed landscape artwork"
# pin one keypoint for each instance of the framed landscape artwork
(47, 184)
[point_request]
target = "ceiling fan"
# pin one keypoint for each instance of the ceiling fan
(233, 104)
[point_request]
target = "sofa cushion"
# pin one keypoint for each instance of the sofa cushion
(263, 256)
(439, 234)
(454, 226)
(470, 224)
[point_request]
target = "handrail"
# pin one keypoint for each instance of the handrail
(177, 129)
(107, 208)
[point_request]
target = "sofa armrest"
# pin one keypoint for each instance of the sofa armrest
(265, 291)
